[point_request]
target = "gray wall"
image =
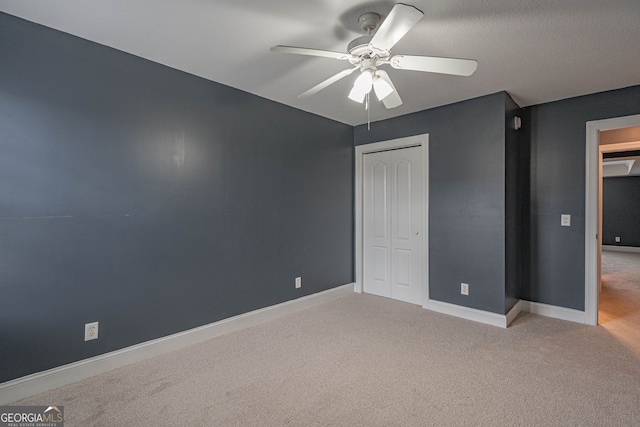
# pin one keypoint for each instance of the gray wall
(621, 210)
(466, 196)
(557, 172)
(151, 200)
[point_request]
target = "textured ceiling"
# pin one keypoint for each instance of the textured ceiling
(537, 50)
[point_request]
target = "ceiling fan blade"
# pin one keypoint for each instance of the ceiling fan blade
(400, 20)
(331, 80)
(310, 52)
(433, 64)
(393, 99)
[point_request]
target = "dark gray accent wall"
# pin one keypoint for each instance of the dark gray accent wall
(558, 143)
(620, 211)
(467, 184)
(151, 200)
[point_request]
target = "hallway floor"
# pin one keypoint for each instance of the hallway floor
(619, 304)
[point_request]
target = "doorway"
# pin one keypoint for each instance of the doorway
(593, 204)
(391, 206)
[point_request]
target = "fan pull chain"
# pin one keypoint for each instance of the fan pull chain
(368, 113)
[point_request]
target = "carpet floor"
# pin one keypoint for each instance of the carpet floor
(361, 360)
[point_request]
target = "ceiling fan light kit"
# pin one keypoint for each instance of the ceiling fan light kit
(368, 52)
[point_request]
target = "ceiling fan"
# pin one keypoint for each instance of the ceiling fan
(368, 52)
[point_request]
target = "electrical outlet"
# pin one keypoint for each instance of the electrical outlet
(91, 331)
(298, 282)
(617, 239)
(464, 288)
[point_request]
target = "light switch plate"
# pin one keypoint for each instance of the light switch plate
(565, 220)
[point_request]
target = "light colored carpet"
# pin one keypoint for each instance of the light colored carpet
(362, 360)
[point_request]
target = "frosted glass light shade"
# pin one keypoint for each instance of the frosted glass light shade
(382, 88)
(362, 86)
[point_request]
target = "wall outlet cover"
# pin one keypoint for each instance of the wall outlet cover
(91, 331)
(464, 288)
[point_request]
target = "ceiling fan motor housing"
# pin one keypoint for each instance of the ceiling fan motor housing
(359, 46)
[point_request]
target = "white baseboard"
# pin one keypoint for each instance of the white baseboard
(513, 313)
(553, 311)
(503, 321)
(469, 313)
(29, 385)
(620, 248)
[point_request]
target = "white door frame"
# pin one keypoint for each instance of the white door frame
(411, 141)
(592, 184)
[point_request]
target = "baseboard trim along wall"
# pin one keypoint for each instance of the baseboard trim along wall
(620, 248)
(29, 385)
(553, 311)
(473, 314)
(503, 321)
(513, 313)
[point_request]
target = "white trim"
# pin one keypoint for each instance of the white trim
(591, 226)
(553, 311)
(592, 163)
(503, 321)
(467, 313)
(425, 224)
(613, 248)
(513, 313)
(361, 150)
(29, 385)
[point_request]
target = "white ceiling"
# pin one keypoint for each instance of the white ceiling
(537, 50)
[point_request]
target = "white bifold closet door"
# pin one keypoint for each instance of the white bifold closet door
(392, 218)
